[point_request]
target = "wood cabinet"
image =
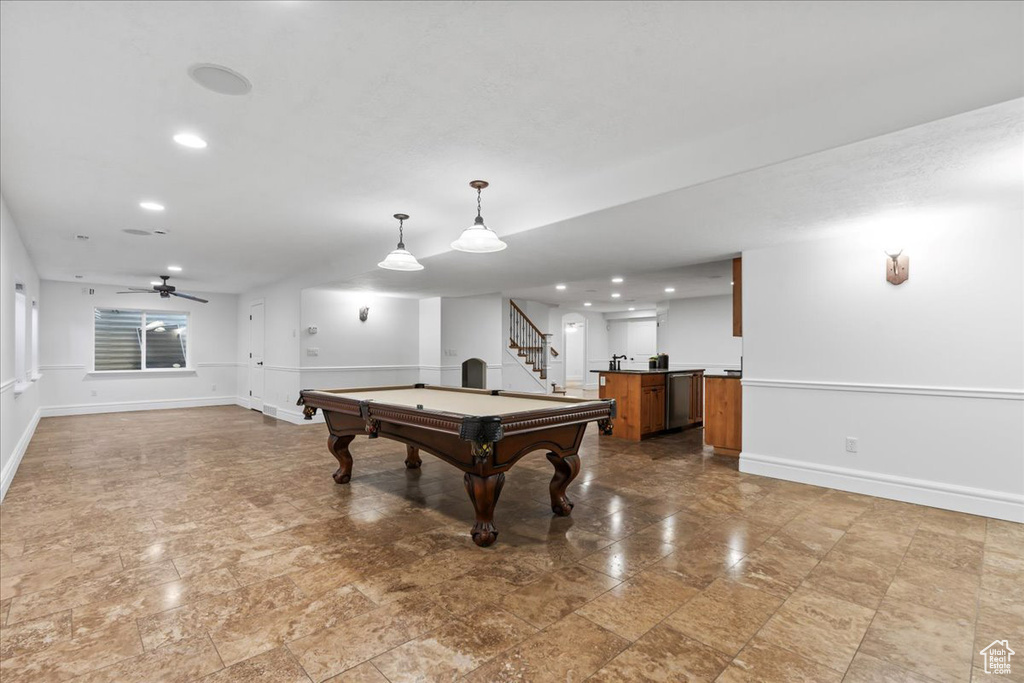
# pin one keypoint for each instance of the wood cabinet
(723, 414)
(652, 409)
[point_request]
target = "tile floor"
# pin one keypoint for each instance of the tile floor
(211, 544)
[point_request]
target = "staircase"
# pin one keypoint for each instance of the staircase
(528, 341)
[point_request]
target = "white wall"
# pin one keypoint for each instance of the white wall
(927, 375)
(19, 413)
(382, 350)
(430, 340)
(636, 338)
(471, 327)
(575, 348)
(697, 333)
(70, 387)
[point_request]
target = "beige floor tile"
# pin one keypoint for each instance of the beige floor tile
(851, 578)
(702, 560)
(921, 640)
(985, 635)
(725, 615)
(264, 631)
(958, 524)
(273, 666)
(635, 606)
(66, 658)
(569, 650)
(818, 627)
(929, 585)
(867, 669)
(628, 557)
(456, 648)
(183, 661)
(762, 662)
(949, 552)
(772, 569)
(805, 536)
(555, 595)
(31, 636)
(364, 673)
(740, 534)
(334, 650)
(663, 655)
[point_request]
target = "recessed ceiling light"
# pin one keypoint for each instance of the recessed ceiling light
(559, 286)
(136, 231)
(220, 79)
(587, 303)
(615, 295)
(151, 206)
(189, 140)
(155, 282)
(616, 280)
(632, 308)
(174, 269)
(669, 290)
(159, 232)
(732, 283)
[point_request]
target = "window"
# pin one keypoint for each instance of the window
(34, 362)
(140, 340)
(20, 335)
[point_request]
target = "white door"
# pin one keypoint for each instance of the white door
(256, 356)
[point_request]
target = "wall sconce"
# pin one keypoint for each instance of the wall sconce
(897, 266)
(364, 313)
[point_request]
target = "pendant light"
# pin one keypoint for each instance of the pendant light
(478, 238)
(400, 258)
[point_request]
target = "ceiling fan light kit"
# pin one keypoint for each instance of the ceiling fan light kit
(165, 291)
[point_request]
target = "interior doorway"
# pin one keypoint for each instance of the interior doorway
(474, 374)
(256, 341)
(574, 349)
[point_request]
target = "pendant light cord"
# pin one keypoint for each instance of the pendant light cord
(401, 234)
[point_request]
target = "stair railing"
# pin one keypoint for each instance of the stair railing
(530, 343)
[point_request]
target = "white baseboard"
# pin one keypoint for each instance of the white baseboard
(984, 502)
(130, 406)
(7, 476)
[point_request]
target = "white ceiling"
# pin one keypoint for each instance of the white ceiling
(361, 110)
(884, 188)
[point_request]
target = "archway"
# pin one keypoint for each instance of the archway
(474, 374)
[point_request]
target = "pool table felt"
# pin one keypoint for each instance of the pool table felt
(468, 403)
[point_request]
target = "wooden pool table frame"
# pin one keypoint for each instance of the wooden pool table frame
(484, 447)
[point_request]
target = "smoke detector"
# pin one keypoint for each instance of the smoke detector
(220, 79)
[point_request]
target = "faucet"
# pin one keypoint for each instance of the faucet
(617, 361)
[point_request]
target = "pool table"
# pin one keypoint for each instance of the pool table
(482, 432)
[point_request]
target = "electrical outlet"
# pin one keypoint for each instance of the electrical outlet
(312, 351)
(851, 444)
(94, 393)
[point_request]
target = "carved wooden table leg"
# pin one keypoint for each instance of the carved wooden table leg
(412, 458)
(484, 492)
(338, 446)
(566, 469)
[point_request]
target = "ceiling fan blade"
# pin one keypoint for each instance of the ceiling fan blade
(189, 296)
(140, 291)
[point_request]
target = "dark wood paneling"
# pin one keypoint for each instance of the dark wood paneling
(723, 419)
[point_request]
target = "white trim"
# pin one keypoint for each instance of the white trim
(975, 501)
(21, 387)
(7, 384)
(62, 367)
(131, 406)
(7, 476)
(221, 365)
(149, 372)
(905, 389)
(356, 368)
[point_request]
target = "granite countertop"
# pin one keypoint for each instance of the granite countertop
(724, 375)
(649, 372)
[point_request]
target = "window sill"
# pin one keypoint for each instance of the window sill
(142, 373)
(20, 387)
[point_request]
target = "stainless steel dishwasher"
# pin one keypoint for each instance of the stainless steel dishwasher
(677, 407)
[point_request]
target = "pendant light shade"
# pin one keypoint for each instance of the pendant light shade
(478, 238)
(400, 258)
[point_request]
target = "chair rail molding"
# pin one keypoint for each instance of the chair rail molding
(903, 389)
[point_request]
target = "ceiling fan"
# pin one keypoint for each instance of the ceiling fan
(165, 291)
